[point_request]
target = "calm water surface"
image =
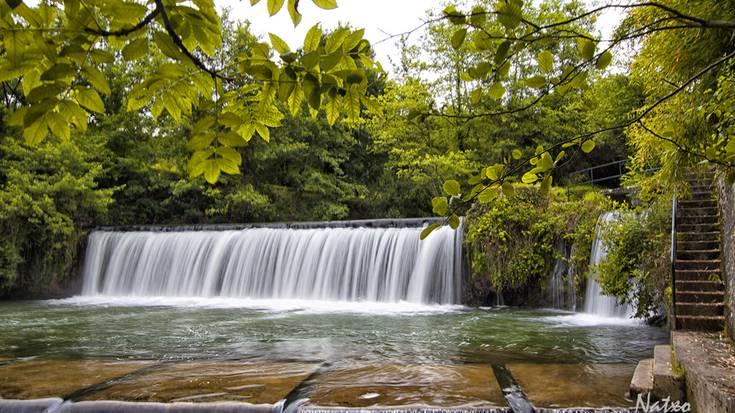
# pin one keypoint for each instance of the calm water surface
(343, 334)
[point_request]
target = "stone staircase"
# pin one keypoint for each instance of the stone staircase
(699, 290)
(656, 378)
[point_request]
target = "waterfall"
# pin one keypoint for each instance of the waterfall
(557, 287)
(595, 302)
(333, 263)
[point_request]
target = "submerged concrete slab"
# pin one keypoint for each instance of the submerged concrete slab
(210, 382)
(575, 385)
(708, 361)
(39, 378)
(29, 406)
(404, 385)
(127, 407)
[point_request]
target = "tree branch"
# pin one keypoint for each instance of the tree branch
(124, 32)
(180, 44)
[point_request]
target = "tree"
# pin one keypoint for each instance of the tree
(54, 54)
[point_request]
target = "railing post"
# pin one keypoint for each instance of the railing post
(673, 260)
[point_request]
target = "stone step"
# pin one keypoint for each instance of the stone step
(697, 219)
(697, 275)
(642, 382)
(665, 382)
(712, 227)
(698, 203)
(700, 323)
(697, 264)
(684, 210)
(695, 186)
(704, 195)
(691, 254)
(698, 236)
(697, 245)
(699, 285)
(699, 309)
(700, 296)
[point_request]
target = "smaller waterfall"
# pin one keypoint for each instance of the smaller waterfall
(595, 302)
(556, 283)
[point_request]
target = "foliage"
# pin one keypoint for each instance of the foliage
(54, 56)
(637, 269)
(512, 242)
(46, 193)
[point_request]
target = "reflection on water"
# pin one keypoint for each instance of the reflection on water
(342, 335)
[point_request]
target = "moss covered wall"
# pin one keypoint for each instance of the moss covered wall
(726, 197)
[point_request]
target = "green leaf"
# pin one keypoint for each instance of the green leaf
(588, 146)
(545, 61)
(36, 131)
(517, 154)
(439, 205)
(451, 187)
(58, 125)
(326, 4)
(509, 13)
(89, 99)
(454, 221)
(167, 46)
(333, 107)
(264, 132)
(546, 185)
(293, 11)
(136, 49)
(97, 80)
(536, 82)
(211, 171)
(502, 52)
(274, 6)
(199, 142)
(231, 139)
(546, 162)
(604, 60)
(479, 16)
(487, 195)
(312, 39)
(428, 230)
(586, 48)
(529, 178)
(496, 91)
(279, 44)
(458, 38)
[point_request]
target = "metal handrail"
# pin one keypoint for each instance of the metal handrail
(673, 259)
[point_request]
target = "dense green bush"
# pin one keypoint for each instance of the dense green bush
(47, 195)
(638, 265)
(511, 243)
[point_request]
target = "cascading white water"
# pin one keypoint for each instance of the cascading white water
(338, 264)
(595, 302)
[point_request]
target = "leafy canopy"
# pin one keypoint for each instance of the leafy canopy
(55, 54)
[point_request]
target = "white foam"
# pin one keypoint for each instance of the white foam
(298, 306)
(587, 319)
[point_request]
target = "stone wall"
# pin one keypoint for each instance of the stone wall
(726, 197)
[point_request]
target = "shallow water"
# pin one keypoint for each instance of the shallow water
(341, 334)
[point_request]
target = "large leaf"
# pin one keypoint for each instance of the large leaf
(545, 61)
(274, 6)
(90, 100)
(458, 38)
